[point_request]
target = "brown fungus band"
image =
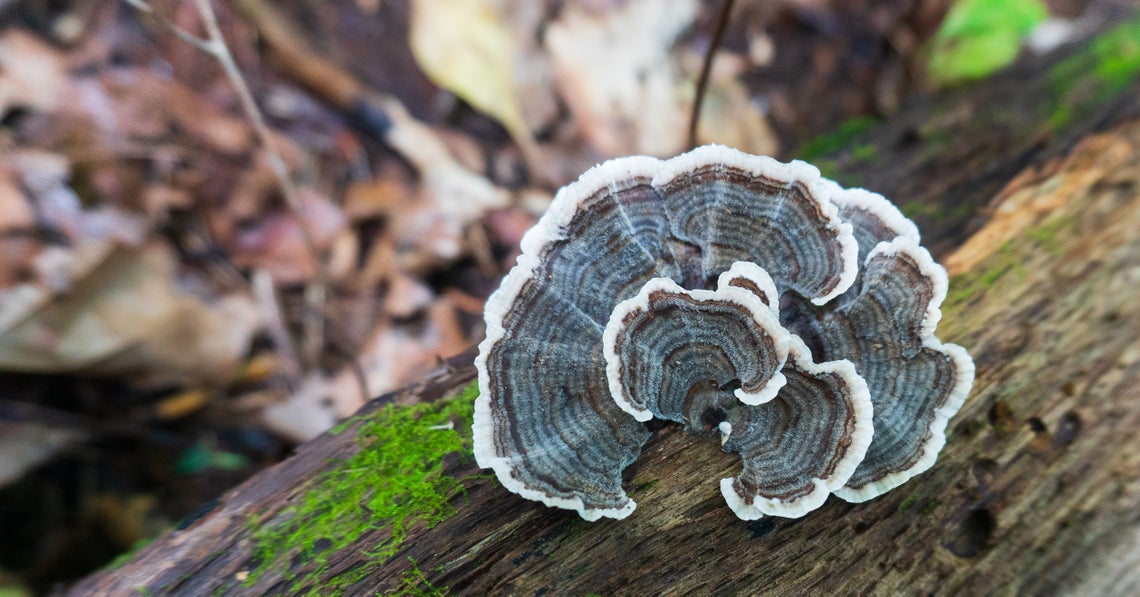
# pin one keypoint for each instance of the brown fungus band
(718, 290)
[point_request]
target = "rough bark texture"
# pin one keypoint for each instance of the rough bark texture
(1028, 187)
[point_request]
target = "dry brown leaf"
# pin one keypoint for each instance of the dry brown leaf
(616, 74)
(343, 256)
(32, 73)
(159, 199)
(123, 313)
(309, 411)
(375, 198)
(277, 245)
(534, 78)
(406, 295)
(146, 105)
(450, 197)
(45, 176)
(17, 255)
(18, 248)
(509, 225)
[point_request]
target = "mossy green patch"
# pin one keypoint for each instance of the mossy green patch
(647, 485)
(838, 140)
(413, 582)
(908, 502)
(126, 556)
(393, 481)
(934, 211)
(1012, 258)
(965, 287)
(1092, 77)
(865, 152)
(1048, 235)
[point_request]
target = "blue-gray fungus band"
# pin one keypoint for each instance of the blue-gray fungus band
(722, 291)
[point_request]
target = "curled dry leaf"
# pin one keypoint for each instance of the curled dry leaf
(105, 302)
(17, 246)
(139, 93)
(15, 212)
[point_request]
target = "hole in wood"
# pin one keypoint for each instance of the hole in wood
(972, 534)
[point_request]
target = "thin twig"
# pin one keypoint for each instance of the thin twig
(179, 32)
(706, 68)
(214, 45)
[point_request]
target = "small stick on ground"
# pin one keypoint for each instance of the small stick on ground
(214, 45)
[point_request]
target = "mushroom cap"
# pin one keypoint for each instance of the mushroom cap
(886, 328)
(665, 340)
(680, 290)
(802, 446)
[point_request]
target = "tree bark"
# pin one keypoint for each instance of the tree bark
(1027, 186)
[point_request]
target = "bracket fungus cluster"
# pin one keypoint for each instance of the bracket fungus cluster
(736, 295)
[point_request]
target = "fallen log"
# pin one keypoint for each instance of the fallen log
(1026, 185)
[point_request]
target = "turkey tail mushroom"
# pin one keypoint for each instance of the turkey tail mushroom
(717, 290)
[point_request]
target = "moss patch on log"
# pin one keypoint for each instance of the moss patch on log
(848, 137)
(394, 481)
(1004, 269)
(839, 139)
(1112, 60)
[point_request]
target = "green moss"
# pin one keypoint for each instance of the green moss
(929, 507)
(413, 582)
(934, 211)
(864, 153)
(832, 143)
(395, 480)
(126, 556)
(1119, 55)
(908, 502)
(1047, 235)
(1009, 258)
(966, 286)
(1089, 79)
(646, 485)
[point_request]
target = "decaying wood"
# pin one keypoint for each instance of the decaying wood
(1037, 490)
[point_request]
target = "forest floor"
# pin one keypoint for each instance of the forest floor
(192, 284)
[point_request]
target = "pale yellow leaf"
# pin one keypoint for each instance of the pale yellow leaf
(465, 47)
